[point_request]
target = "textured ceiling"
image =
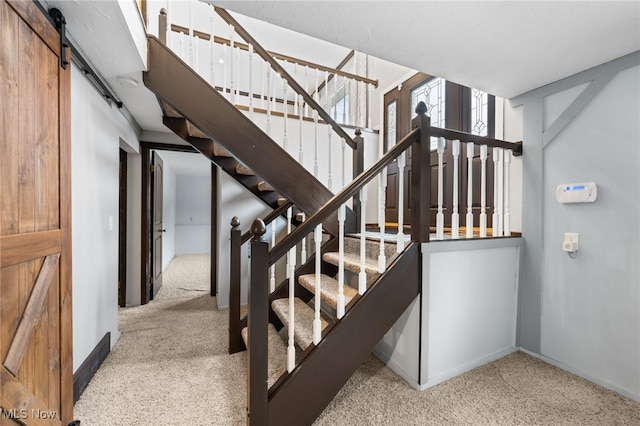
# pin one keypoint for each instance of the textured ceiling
(506, 48)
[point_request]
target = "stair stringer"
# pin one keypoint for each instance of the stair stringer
(302, 395)
(173, 81)
(228, 164)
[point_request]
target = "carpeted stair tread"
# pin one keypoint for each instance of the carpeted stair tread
(304, 315)
(244, 170)
(169, 111)
(194, 131)
(219, 151)
(264, 186)
(277, 354)
(328, 288)
(372, 247)
(282, 201)
(352, 262)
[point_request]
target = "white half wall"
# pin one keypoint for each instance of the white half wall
(97, 129)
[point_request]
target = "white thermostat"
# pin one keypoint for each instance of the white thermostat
(586, 192)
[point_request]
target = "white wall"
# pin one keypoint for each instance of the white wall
(97, 131)
(465, 315)
(193, 214)
(168, 214)
(134, 228)
(583, 314)
(233, 200)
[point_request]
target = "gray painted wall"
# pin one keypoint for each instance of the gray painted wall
(98, 130)
(193, 214)
(583, 314)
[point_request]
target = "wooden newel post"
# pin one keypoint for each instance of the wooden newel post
(162, 25)
(358, 167)
(257, 322)
(421, 177)
(236, 344)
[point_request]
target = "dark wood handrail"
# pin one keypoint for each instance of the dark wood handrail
(243, 46)
(515, 147)
(284, 74)
(342, 197)
(268, 219)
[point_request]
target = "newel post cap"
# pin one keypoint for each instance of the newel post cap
(421, 108)
(235, 222)
(258, 229)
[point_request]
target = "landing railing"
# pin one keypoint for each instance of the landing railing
(308, 99)
(263, 257)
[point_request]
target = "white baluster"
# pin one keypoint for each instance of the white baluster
(507, 189)
(483, 191)
(231, 70)
(237, 101)
(344, 105)
(344, 163)
(291, 350)
(362, 276)
(191, 51)
(303, 249)
(440, 214)
(196, 54)
(212, 44)
(469, 221)
(315, 121)
(268, 101)
(368, 111)
(382, 260)
(262, 79)
(285, 140)
(251, 82)
(495, 218)
(306, 88)
(329, 163)
(400, 237)
(301, 122)
(341, 304)
(289, 219)
(455, 217)
(272, 269)
(317, 324)
(273, 85)
(181, 39)
(225, 54)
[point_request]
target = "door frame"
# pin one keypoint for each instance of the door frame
(146, 148)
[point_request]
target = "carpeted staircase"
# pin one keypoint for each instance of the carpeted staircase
(304, 311)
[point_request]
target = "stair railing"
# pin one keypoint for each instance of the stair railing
(262, 257)
(236, 320)
(296, 90)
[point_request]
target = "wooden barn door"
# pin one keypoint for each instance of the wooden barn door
(36, 383)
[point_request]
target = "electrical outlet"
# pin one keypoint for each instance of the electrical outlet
(571, 242)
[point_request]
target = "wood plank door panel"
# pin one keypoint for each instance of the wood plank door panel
(36, 377)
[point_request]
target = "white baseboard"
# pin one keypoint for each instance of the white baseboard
(445, 376)
(466, 367)
(578, 372)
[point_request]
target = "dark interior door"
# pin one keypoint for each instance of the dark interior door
(156, 245)
(449, 105)
(397, 124)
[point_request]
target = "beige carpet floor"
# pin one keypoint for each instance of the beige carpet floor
(171, 367)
